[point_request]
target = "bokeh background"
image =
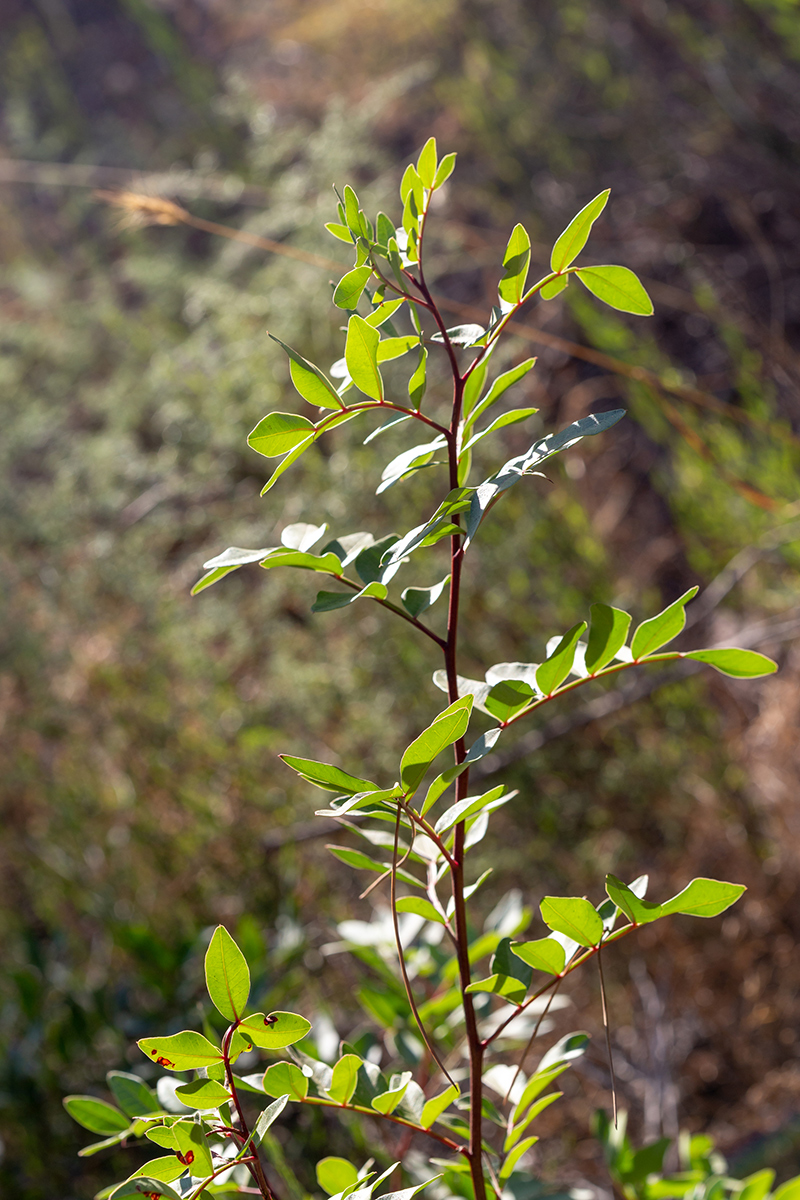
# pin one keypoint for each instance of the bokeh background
(142, 801)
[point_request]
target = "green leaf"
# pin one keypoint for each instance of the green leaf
(554, 288)
(757, 1186)
(339, 231)
(463, 335)
(640, 912)
(418, 600)
(507, 986)
(345, 1078)
(704, 898)
(408, 461)
(279, 433)
(329, 601)
(531, 1115)
(356, 859)
(507, 698)
(384, 311)
(617, 287)
(323, 775)
(420, 907)
(436, 1106)
(361, 356)
(573, 916)
(418, 381)
(469, 806)
(312, 384)
(449, 726)
(285, 1079)
(514, 417)
(741, 664)
(132, 1094)
(552, 673)
(427, 163)
(789, 1190)
(276, 1031)
(516, 262)
(655, 633)
(166, 1169)
(545, 954)
(396, 347)
(351, 209)
(203, 1094)
(504, 962)
(286, 462)
(335, 1174)
(513, 1158)
(350, 286)
(96, 1115)
(187, 1138)
(411, 184)
(328, 563)
(570, 243)
(143, 1185)
(500, 385)
(268, 1117)
(227, 975)
(445, 170)
(387, 1102)
(607, 634)
(183, 1051)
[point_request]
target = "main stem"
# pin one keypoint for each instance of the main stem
(462, 786)
(256, 1169)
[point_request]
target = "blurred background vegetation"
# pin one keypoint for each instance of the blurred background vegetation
(141, 798)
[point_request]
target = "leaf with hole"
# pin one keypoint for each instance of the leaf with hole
(275, 1031)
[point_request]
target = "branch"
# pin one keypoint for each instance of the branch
(373, 1112)
(395, 609)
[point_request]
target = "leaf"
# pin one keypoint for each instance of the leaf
(183, 1051)
(607, 634)
(448, 727)
(544, 954)
(617, 287)
(427, 163)
(323, 775)
(515, 1155)
(507, 698)
(408, 461)
(227, 975)
(516, 262)
(655, 633)
(506, 986)
(704, 898)
(356, 859)
(143, 1185)
(286, 462)
(420, 907)
(436, 1106)
(566, 1050)
(469, 806)
(339, 231)
(361, 356)
(406, 1193)
(554, 288)
(132, 1094)
(789, 1190)
(335, 1174)
(418, 381)
(573, 916)
(531, 1115)
(500, 385)
(387, 1102)
(384, 311)
(166, 1169)
(504, 962)
(279, 433)
(276, 1031)
(96, 1115)
(462, 335)
(570, 243)
(514, 417)
(268, 1117)
(203, 1094)
(396, 347)
(350, 286)
(285, 1079)
(418, 600)
(444, 170)
(345, 1078)
(328, 563)
(311, 383)
(740, 664)
(188, 1139)
(757, 1186)
(329, 601)
(552, 673)
(638, 911)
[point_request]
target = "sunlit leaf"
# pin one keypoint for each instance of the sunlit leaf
(573, 916)
(96, 1115)
(227, 975)
(181, 1051)
(570, 243)
(655, 633)
(618, 287)
(285, 1079)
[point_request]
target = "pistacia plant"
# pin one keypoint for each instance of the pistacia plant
(459, 1006)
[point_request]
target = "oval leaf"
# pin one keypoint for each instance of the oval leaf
(182, 1051)
(573, 916)
(345, 1078)
(227, 975)
(335, 1174)
(310, 382)
(202, 1094)
(96, 1115)
(285, 1079)
(607, 634)
(617, 287)
(740, 664)
(350, 286)
(552, 673)
(276, 1031)
(361, 356)
(544, 954)
(704, 898)
(279, 433)
(132, 1094)
(655, 633)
